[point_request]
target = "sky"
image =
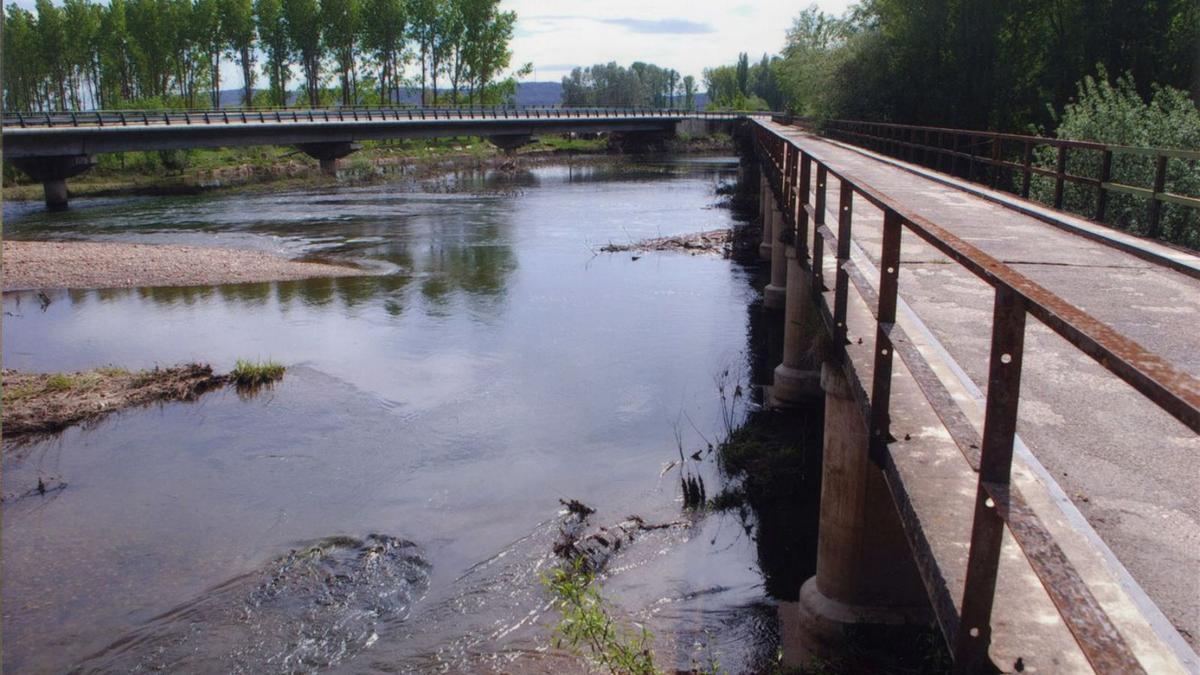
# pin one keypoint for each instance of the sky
(687, 35)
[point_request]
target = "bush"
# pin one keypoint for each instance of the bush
(1114, 113)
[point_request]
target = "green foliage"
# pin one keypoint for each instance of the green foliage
(88, 54)
(588, 628)
(745, 87)
(60, 382)
(975, 64)
(641, 84)
(255, 373)
(1115, 113)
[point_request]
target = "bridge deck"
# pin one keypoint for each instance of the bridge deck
(1123, 464)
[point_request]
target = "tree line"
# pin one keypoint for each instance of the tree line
(641, 84)
(150, 53)
(745, 86)
(976, 64)
(1111, 71)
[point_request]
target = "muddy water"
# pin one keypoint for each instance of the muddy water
(390, 505)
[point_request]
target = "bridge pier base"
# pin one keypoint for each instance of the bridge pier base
(53, 173)
(509, 144)
(775, 293)
(328, 154)
(797, 380)
(635, 142)
(866, 575)
(766, 208)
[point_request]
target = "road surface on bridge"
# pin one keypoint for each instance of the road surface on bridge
(1128, 467)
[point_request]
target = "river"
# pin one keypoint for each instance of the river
(415, 453)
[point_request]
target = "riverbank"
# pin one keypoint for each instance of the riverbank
(31, 265)
(41, 403)
(190, 172)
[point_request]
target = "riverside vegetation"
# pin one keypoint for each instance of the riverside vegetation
(42, 403)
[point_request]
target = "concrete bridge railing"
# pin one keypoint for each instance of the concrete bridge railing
(859, 453)
(53, 146)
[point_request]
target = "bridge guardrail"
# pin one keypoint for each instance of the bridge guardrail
(943, 149)
(999, 503)
(101, 118)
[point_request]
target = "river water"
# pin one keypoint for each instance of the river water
(391, 504)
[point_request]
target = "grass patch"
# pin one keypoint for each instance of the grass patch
(587, 626)
(255, 373)
(60, 382)
(567, 144)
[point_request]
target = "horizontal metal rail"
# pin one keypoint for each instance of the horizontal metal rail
(100, 118)
(969, 153)
(790, 171)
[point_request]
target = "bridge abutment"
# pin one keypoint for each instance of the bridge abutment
(328, 154)
(53, 173)
(866, 575)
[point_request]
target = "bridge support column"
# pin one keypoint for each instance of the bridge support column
(328, 154)
(797, 380)
(53, 173)
(866, 574)
(775, 292)
(635, 142)
(766, 209)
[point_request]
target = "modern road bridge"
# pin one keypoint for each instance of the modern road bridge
(52, 147)
(1012, 409)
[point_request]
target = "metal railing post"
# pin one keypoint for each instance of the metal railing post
(818, 249)
(995, 466)
(1027, 173)
(841, 284)
(885, 318)
(1102, 190)
(1060, 170)
(1160, 184)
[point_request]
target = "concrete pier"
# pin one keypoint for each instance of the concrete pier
(53, 173)
(328, 154)
(797, 380)
(865, 570)
(766, 209)
(775, 293)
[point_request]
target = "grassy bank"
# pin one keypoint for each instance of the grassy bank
(43, 403)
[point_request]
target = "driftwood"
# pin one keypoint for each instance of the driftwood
(592, 548)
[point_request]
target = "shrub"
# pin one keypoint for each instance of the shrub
(1113, 112)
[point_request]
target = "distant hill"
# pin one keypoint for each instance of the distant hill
(528, 93)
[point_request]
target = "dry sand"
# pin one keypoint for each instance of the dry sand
(42, 264)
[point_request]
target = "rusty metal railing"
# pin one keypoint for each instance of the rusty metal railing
(1011, 159)
(999, 503)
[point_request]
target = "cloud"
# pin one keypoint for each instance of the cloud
(662, 26)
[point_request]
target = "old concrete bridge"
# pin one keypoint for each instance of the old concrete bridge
(1029, 486)
(52, 147)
